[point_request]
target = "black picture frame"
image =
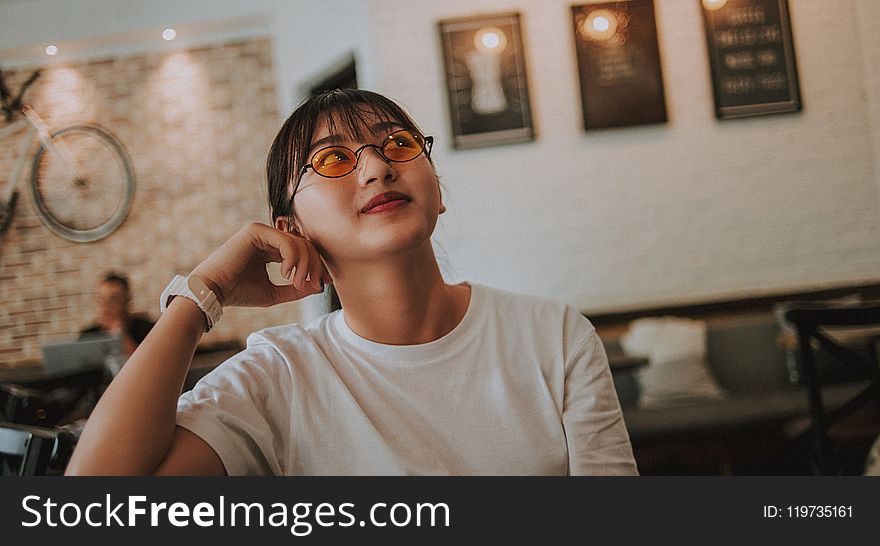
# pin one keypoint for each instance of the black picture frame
(619, 68)
(752, 57)
(486, 80)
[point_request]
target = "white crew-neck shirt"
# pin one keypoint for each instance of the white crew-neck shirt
(521, 386)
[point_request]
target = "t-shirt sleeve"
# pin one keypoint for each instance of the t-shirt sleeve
(238, 410)
(598, 442)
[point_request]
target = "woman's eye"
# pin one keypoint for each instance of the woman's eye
(404, 141)
(331, 157)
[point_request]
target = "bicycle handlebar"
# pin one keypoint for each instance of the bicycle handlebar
(4, 91)
(16, 102)
(14, 105)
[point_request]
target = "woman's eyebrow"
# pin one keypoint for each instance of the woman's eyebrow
(336, 138)
(329, 139)
(384, 125)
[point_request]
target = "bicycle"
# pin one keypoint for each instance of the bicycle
(81, 178)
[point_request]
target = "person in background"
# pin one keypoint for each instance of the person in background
(113, 298)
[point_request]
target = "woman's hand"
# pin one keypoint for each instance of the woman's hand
(237, 270)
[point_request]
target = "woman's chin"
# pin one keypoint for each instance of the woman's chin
(378, 247)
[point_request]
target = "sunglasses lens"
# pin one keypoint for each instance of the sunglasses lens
(403, 146)
(334, 162)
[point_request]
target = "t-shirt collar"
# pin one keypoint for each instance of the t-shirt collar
(414, 353)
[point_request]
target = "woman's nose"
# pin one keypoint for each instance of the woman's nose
(372, 166)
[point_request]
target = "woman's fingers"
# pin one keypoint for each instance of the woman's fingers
(238, 267)
(276, 244)
(301, 269)
(289, 292)
(290, 250)
(315, 268)
(296, 256)
(304, 277)
(299, 256)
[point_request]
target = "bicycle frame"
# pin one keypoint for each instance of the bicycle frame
(35, 127)
(54, 167)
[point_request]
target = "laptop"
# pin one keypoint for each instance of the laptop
(96, 352)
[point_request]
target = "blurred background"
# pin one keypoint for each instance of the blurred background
(685, 212)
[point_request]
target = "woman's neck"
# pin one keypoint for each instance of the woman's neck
(402, 300)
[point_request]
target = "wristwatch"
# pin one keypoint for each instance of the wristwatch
(194, 288)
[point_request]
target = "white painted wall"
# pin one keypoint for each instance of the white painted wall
(868, 20)
(688, 211)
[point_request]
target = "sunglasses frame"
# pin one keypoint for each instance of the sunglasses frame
(428, 143)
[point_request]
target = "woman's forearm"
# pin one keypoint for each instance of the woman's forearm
(131, 428)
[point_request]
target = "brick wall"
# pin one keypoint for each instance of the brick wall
(197, 125)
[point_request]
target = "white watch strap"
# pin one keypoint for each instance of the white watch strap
(195, 289)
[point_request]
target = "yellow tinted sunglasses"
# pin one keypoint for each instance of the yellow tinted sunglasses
(399, 147)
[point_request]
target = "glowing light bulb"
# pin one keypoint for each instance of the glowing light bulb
(51, 50)
(712, 5)
(601, 24)
(169, 34)
(490, 40)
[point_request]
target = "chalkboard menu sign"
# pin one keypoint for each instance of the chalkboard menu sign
(618, 64)
(752, 57)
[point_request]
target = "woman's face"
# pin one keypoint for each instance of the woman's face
(340, 215)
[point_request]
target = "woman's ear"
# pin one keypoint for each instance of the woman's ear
(283, 223)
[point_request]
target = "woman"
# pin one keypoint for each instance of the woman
(413, 376)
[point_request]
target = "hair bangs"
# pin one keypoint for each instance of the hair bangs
(347, 112)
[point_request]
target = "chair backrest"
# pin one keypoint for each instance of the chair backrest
(853, 344)
(746, 356)
(33, 451)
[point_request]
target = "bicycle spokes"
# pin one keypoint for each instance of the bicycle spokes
(84, 188)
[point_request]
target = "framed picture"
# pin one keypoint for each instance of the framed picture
(619, 64)
(751, 55)
(486, 80)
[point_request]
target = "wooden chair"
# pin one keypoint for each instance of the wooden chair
(852, 347)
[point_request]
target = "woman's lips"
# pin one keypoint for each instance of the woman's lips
(379, 202)
(387, 206)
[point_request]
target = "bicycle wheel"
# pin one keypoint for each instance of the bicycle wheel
(83, 189)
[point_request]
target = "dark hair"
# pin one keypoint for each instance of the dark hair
(347, 109)
(116, 278)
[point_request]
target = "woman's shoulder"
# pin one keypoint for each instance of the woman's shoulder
(527, 301)
(275, 348)
(290, 335)
(535, 308)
